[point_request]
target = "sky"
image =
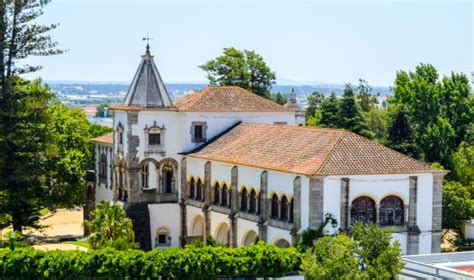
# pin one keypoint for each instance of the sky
(305, 42)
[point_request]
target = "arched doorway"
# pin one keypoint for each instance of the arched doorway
(282, 243)
(250, 238)
(222, 233)
(197, 227)
(168, 175)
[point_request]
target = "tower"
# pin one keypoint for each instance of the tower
(293, 104)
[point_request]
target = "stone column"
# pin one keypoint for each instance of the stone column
(182, 203)
(437, 212)
(234, 205)
(316, 195)
(344, 219)
(205, 208)
(413, 230)
(262, 223)
(296, 209)
(207, 184)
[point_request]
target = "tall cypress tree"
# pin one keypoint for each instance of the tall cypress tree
(400, 134)
(329, 112)
(350, 113)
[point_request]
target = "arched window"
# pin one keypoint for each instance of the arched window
(274, 212)
(243, 200)
(103, 166)
(253, 202)
(290, 219)
(284, 208)
(168, 178)
(259, 203)
(144, 176)
(391, 211)
(225, 193)
(199, 190)
(363, 210)
(192, 188)
(217, 194)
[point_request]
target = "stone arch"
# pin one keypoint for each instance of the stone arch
(148, 178)
(249, 238)
(363, 210)
(168, 175)
(274, 206)
(253, 201)
(244, 200)
(217, 194)
(197, 226)
(282, 243)
(391, 211)
(223, 233)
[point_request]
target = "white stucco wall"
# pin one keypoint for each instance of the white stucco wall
(219, 121)
(243, 227)
(103, 191)
(165, 215)
(274, 234)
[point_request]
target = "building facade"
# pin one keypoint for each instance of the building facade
(226, 163)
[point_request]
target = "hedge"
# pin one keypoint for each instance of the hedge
(192, 262)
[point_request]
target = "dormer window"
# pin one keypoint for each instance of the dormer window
(154, 139)
(198, 132)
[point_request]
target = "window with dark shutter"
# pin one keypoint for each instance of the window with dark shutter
(154, 139)
(198, 136)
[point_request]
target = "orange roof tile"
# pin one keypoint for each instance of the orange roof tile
(106, 138)
(226, 99)
(308, 151)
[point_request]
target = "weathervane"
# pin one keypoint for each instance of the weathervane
(147, 39)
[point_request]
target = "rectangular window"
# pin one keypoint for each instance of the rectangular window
(120, 136)
(154, 139)
(162, 239)
(198, 137)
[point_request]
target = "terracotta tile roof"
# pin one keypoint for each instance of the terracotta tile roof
(307, 151)
(106, 138)
(226, 99)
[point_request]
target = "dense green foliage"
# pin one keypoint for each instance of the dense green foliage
(192, 262)
(240, 68)
(458, 205)
(279, 98)
(109, 226)
(368, 254)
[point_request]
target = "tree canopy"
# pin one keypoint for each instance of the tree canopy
(244, 68)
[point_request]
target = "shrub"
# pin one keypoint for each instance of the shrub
(191, 262)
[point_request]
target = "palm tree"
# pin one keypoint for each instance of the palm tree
(109, 226)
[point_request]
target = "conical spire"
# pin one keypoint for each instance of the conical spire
(147, 88)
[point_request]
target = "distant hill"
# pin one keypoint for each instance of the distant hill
(85, 93)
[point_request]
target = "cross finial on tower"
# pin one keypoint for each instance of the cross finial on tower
(147, 39)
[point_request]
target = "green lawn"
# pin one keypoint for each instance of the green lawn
(83, 243)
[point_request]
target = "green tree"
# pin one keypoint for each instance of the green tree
(350, 114)
(440, 111)
(26, 142)
(379, 256)
(457, 205)
(463, 164)
(331, 258)
(438, 141)
(328, 115)
(240, 68)
(314, 102)
(399, 133)
(364, 96)
(279, 98)
(109, 226)
(29, 148)
(376, 122)
(102, 110)
(70, 128)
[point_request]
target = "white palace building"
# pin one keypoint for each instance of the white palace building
(227, 163)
